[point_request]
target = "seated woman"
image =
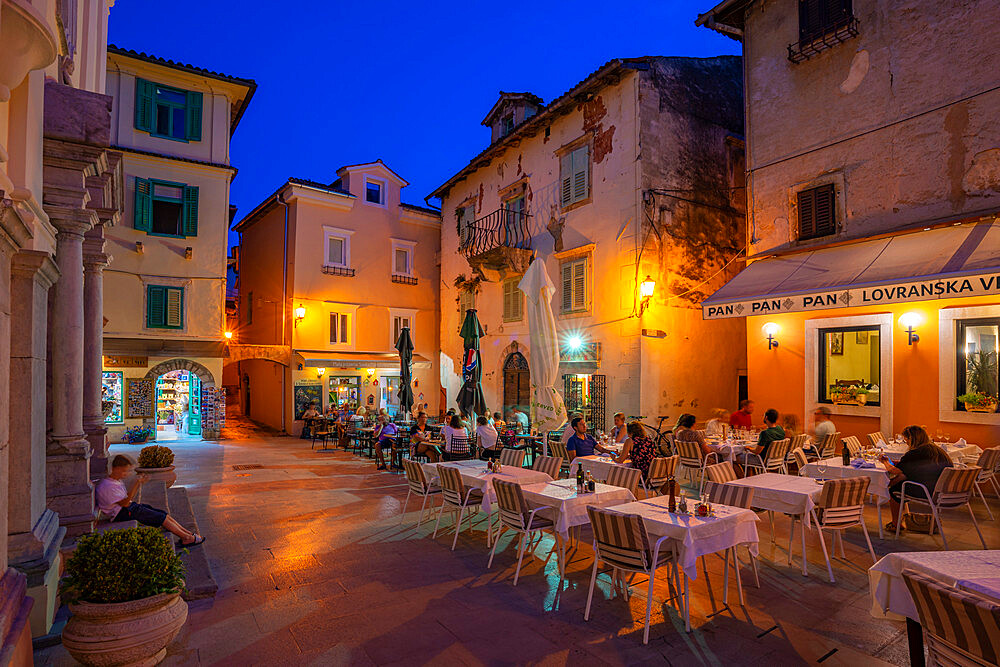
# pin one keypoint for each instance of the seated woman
(716, 426)
(619, 433)
(310, 413)
(685, 431)
(385, 436)
(923, 462)
(117, 504)
(638, 447)
(420, 437)
(488, 439)
(456, 440)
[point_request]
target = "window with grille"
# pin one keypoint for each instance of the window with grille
(164, 307)
(340, 328)
(821, 17)
(817, 212)
(513, 301)
(574, 285)
(574, 176)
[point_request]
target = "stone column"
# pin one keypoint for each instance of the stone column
(69, 490)
(35, 535)
(94, 261)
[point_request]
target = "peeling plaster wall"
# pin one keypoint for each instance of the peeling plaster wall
(902, 115)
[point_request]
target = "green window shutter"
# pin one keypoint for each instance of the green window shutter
(566, 179)
(144, 92)
(190, 210)
(156, 298)
(567, 287)
(193, 129)
(581, 173)
(174, 310)
(143, 204)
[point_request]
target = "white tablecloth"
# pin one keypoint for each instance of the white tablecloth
(895, 452)
(696, 536)
(835, 469)
(963, 569)
(597, 465)
(474, 474)
(783, 493)
(726, 450)
(571, 507)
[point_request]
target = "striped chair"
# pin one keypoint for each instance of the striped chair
(661, 469)
(799, 457)
(460, 448)
(550, 465)
(960, 628)
(558, 450)
(456, 497)
(625, 478)
(828, 447)
(841, 506)
(773, 460)
(798, 442)
(720, 473)
(954, 489)
(853, 445)
(620, 540)
(517, 516)
(734, 496)
(512, 457)
(988, 461)
(876, 439)
(691, 458)
(419, 486)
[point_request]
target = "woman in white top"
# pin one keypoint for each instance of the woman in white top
(455, 430)
(618, 432)
(488, 438)
(716, 426)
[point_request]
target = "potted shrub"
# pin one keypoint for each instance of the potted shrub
(137, 435)
(158, 463)
(978, 402)
(123, 588)
(853, 395)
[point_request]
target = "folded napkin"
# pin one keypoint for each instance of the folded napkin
(961, 443)
(861, 463)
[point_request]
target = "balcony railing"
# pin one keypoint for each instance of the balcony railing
(503, 228)
(404, 280)
(836, 33)
(338, 271)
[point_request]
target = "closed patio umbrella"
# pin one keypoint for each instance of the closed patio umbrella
(548, 411)
(470, 397)
(405, 348)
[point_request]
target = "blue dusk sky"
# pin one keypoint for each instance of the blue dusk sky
(408, 82)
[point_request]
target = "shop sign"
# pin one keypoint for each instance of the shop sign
(587, 352)
(119, 361)
(902, 292)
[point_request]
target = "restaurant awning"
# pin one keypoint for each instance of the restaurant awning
(356, 359)
(952, 262)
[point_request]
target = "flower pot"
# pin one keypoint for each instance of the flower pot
(124, 633)
(983, 407)
(165, 475)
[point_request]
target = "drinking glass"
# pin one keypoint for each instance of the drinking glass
(821, 467)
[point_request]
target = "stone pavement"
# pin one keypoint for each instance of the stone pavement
(315, 567)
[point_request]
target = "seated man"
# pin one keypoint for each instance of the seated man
(420, 440)
(582, 443)
(771, 433)
(385, 436)
(520, 419)
(488, 438)
(742, 417)
(116, 503)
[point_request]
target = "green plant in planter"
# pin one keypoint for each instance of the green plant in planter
(122, 566)
(977, 400)
(981, 372)
(156, 456)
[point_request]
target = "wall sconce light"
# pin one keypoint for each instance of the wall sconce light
(300, 314)
(910, 321)
(574, 343)
(370, 371)
(188, 252)
(646, 289)
(771, 330)
(320, 372)
(228, 335)
(138, 247)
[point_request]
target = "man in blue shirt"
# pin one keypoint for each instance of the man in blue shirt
(582, 443)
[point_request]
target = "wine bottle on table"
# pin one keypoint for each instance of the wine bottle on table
(672, 498)
(846, 454)
(579, 477)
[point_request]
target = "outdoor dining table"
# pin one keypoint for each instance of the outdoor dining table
(834, 468)
(693, 536)
(597, 465)
(955, 451)
(787, 494)
(476, 475)
(977, 571)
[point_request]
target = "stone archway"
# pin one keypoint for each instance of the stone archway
(207, 382)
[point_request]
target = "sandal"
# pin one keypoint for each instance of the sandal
(198, 539)
(891, 527)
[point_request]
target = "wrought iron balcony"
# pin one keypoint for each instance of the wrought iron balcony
(503, 228)
(338, 271)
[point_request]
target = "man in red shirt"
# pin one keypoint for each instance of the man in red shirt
(741, 418)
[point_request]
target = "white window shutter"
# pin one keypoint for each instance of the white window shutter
(580, 284)
(581, 173)
(567, 286)
(566, 179)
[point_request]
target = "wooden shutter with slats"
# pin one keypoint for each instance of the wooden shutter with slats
(817, 212)
(190, 210)
(567, 287)
(580, 285)
(566, 179)
(144, 91)
(174, 315)
(156, 306)
(334, 326)
(192, 129)
(143, 204)
(343, 328)
(581, 173)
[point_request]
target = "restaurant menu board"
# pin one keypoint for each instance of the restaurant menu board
(213, 408)
(306, 394)
(138, 398)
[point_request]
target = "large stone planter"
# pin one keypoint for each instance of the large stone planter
(124, 633)
(165, 475)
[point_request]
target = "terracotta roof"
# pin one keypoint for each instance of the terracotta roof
(421, 209)
(249, 84)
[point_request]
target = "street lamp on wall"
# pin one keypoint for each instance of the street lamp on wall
(300, 314)
(320, 372)
(646, 289)
(910, 321)
(771, 330)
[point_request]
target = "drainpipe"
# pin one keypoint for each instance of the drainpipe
(284, 299)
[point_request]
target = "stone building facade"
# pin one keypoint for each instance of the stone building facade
(60, 190)
(636, 171)
(874, 189)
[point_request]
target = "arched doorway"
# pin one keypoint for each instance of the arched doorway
(516, 383)
(185, 401)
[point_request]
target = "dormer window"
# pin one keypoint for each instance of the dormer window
(374, 191)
